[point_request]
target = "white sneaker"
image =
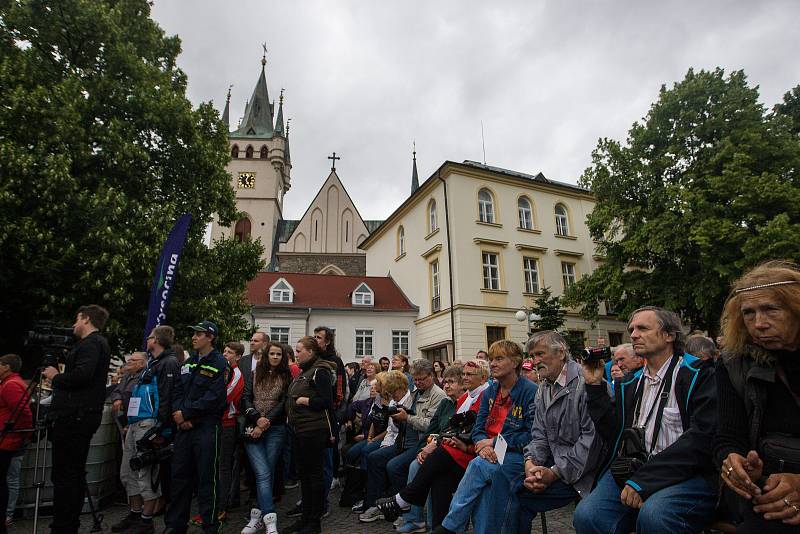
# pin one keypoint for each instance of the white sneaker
(255, 524)
(370, 515)
(271, 523)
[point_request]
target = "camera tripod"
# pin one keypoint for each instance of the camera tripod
(40, 430)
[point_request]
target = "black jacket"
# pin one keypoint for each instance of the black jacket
(167, 371)
(200, 392)
(687, 457)
(81, 388)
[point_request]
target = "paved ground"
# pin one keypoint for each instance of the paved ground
(341, 520)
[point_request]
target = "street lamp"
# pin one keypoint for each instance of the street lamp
(527, 314)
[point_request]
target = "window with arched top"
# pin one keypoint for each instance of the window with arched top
(235, 151)
(525, 209)
(248, 153)
(562, 220)
(241, 231)
(433, 222)
(485, 206)
(264, 152)
(401, 241)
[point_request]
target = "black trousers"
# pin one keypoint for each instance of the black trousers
(312, 482)
(439, 475)
(70, 436)
(195, 465)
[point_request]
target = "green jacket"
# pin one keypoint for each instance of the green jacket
(439, 421)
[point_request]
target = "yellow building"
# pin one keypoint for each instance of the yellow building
(474, 244)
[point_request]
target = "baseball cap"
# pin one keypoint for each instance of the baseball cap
(206, 326)
(527, 365)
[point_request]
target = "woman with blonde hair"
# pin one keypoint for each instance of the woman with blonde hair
(757, 445)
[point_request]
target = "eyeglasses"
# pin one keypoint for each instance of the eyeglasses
(470, 374)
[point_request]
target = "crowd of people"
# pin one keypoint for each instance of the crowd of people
(669, 435)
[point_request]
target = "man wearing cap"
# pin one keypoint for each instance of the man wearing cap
(198, 401)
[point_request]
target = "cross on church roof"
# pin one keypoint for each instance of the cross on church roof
(333, 159)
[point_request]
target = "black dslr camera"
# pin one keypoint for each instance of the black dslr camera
(151, 449)
(595, 354)
(380, 414)
(54, 341)
(460, 427)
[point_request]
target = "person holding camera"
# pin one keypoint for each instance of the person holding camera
(16, 416)
(563, 456)
(149, 415)
(75, 414)
(444, 461)
(661, 421)
(758, 377)
(263, 404)
(198, 402)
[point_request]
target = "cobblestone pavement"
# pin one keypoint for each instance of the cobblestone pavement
(340, 521)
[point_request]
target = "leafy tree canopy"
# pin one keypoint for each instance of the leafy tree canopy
(100, 152)
(705, 187)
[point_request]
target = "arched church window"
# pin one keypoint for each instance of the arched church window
(264, 152)
(241, 231)
(249, 152)
(235, 151)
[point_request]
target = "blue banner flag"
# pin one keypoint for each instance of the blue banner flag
(164, 279)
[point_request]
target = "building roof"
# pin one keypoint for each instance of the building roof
(328, 291)
(257, 122)
(468, 164)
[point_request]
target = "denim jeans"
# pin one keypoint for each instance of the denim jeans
(518, 506)
(263, 455)
(416, 514)
(397, 469)
(365, 452)
(376, 473)
(354, 453)
(474, 495)
(684, 507)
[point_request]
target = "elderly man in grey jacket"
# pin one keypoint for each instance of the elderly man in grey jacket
(562, 458)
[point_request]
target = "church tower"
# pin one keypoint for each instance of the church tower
(260, 167)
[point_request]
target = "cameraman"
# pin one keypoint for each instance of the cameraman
(149, 410)
(662, 420)
(198, 402)
(75, 413)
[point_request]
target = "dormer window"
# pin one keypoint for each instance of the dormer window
(363, 296)
(281, 292)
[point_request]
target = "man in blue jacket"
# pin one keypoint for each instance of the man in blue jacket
(198, 401)
(659, 477)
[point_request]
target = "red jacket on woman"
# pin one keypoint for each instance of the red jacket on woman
(12, 391)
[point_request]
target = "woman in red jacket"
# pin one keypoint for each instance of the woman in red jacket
(14, 408)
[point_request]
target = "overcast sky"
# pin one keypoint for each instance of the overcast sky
(547, 78)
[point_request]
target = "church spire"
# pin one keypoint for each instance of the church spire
(279, 119)
(226, 112)
(414, 175)
(286, 154)
(257, 121)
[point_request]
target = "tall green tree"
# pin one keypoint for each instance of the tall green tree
(548, 308)
(704, 187)
(100, 152)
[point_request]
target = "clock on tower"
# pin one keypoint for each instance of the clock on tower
(247, 180)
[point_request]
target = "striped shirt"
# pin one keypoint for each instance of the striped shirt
(671, 425)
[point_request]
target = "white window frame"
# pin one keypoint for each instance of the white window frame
(491, 269)
(401, 241)
(281, 295)
(530, 268)
(364, 336)
(567, 274)
(433, 223)
(525, 213)
(562, 220)
(363, 295)
(436, 294)
(400, 342)
(276, 336)
(486, 206)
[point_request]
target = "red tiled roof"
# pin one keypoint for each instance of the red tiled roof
(327, 291)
